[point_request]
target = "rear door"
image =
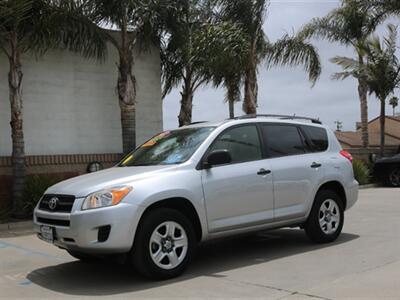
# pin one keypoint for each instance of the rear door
(295, 170)
(238, 194)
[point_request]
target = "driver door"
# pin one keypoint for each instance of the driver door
(240, 193)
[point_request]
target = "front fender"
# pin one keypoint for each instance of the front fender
(184, 184)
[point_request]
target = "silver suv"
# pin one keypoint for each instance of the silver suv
(201, 182)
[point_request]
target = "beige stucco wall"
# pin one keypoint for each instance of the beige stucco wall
(71, 106)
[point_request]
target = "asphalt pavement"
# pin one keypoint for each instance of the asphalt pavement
(281, 264)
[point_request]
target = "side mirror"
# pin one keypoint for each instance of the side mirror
(217, 157)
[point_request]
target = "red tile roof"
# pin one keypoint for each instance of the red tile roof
(353, 138)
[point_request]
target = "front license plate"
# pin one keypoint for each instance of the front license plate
(47, 234)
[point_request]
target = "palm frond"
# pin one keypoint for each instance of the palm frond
(348, 24)
(12, 15)
(14, 12)
(198, 49)
(390, 39)
(346, 62)
(69, 27)
(327, 28)
(44, 24)
(342, 75)
(295, 51)
(383, 7)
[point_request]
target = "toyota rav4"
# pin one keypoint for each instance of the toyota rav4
(201, 182)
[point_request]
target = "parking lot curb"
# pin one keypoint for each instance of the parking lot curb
(368, 186)
(16, 226)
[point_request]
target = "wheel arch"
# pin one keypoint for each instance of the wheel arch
(182, 205)
(335, 186)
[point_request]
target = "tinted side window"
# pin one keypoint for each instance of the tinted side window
(282, 140)
(242, 142)
(317, 137)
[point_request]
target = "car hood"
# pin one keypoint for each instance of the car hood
(84, 185)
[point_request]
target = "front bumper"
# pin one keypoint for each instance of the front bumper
(79, 230)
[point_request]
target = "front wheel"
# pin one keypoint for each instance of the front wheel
(325, 221)
(394, 177)
(164, 244)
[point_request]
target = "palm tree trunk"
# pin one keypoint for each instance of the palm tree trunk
(363, 92)
(250, 89)
(231, 109)
(231, 95)
(127, 95)
(382, 129)
(185, 114)
(17, 134)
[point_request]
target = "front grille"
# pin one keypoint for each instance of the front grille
(64, 203)
(53, 222)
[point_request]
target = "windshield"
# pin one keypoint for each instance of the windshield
(168, 148)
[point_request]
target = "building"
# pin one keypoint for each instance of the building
(71, 112)
(351, 140)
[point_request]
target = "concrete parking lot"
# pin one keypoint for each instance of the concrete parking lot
(282, 264)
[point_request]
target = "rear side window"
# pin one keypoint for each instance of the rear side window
(318, 138)
(282, 140)
(242, 142)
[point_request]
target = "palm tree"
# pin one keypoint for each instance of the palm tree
(185, 52)
(250, 16)
(381, 72)
(138, 23)
(193, 64)
(228, 56)
(394, 102)
(32, 27)
(349, 25)
(287, 51)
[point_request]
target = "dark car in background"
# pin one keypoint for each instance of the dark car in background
(387, 170)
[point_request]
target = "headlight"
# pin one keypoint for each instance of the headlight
(107, 197)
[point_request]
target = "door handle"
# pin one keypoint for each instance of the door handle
(263, 172)
(315, 165)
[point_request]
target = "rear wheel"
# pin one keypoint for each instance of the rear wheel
(326, 219)
(164, 244)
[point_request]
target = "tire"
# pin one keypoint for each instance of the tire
(155, 253)
(326, 218)
(83, 256)
(393, 178)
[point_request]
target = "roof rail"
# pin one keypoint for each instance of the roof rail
(282, 117)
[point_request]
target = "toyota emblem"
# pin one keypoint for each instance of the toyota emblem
(53, 203)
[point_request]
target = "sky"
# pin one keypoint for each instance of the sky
(287, 90)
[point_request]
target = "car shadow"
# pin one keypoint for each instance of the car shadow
(78, 278)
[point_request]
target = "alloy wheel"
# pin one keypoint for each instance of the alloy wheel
(168, 245)
(329, 216)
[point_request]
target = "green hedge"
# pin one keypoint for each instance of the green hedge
(35, 186)
(361, 171)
